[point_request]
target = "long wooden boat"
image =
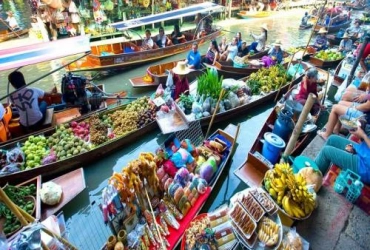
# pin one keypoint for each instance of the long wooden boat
(114, 144)
(358, 7)
(305, 27)
(72, 184)
(230, 133)
(334, 40)
(259, 14)
(113, 55)
(333, 28)
(7, 35)
(228, 70)
(324, 64)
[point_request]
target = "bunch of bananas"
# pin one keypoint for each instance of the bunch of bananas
(268, 232)
(289, 190)
(269, 79)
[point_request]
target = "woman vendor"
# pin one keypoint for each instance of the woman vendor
(276, 52)
(321, 42)
(347, 154)
(309, 85)
(180, 80)
(260, 40)
(345, 45)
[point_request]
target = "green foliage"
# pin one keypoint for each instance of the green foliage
(209, 85)
(187, 100)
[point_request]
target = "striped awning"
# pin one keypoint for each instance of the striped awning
(174, 14)
(25, 55)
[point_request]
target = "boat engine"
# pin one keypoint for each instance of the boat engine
(75, 94)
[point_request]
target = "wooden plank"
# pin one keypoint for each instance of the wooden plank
(72, 184)
(65, 116)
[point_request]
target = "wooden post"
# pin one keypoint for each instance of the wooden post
(153, 12)
(298, 127)
(230, 5)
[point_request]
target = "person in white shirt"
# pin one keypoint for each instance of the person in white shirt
(162, 39)
(148, 41)
(232, 50)
(259, 40)
(25, 99)
(12, 22)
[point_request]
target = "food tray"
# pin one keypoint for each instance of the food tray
(240, 217)
(249, 243)
(173, 121)
(252, 206)
(264, 199)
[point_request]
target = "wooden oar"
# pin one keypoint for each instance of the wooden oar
(9, 27)
(222, 93)
(326, 88)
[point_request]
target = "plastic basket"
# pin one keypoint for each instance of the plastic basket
(354, 191)
(340, 184)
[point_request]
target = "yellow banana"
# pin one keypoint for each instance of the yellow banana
(296, 210)
(286, 206)
(273, 193)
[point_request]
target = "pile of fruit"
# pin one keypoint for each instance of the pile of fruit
(81, 130)
(328, 55)
(35, 150)
(98, 130)
(290, 191)
(267, 79)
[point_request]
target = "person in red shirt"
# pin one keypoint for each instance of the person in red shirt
(364, 55)
(309, 85)
(180, 79)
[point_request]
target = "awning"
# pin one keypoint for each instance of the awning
(41, 52)
(174, 14)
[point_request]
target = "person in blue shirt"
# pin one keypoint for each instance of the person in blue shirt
(193, 58)
(345, 45)
(321, 41)
(276, 52)
(305, 19)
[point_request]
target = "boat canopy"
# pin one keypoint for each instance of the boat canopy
(174, 14)
(31, 54)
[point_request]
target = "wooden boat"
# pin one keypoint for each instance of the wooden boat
(72, 184)
(111, 145)
(334, 40)
(230, 133)
(305, 27)
(358, 7)
(117, 54)
(228, 70)
(6, 35)
(333, 28)
(259, 14)
(324, 64)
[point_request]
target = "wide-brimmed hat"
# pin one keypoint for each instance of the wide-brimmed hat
(10, 12)
(264, 26)
(181, 68)
(322, 30)
(345, 35)
(277, 43)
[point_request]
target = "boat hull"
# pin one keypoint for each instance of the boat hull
(333, 28)
(260, 14)
(14, 34)
(305, 27)
(324, 64)
(116, 59)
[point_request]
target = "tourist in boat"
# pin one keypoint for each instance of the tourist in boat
(321, 41)
(162, 39)
(193, 59)
(212, 54)
(358, 90)
(231, 52)
(347, 154)
(25, 99)
(180, 80)
(12, 22)
(177, 35)
(259, 40)
(238, 39)
(199, 22)
(305, 19)
(223, 45)
(148, 41)
(243, 50)
(276, 53)
(345, 45)
(355, 30)
(307, 86)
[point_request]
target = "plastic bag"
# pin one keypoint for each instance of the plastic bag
(196, 108)
(207, 105)
(50, 158)
(11, 168)
(170, 88)
(234, 100)
(15, 155)
(295, 68)
(159, 91)
(268, 61)
(294, 240)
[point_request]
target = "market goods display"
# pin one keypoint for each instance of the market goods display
(12, 160)
(242, 220)
(98, 130)
(290, 191)
(268, 232)
(268, 79)
(35, 150)
(81, 130)
(51, 193)
(262, 197)
(251, 205)
(291, 241)
(328, 55)
(312, 176)
(23, 196)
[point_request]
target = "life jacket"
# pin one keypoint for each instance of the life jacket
(4, 122)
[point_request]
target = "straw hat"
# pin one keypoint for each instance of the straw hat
(322, 30)
(277, 43)
(345, 35)
(181, 68)
(10, 12)
(264, 26)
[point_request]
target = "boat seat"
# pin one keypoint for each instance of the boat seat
(48, 117)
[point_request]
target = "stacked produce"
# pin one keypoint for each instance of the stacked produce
(147, 116)
(81, 130)
(65, 144)
(329, 55)
(266, 80)
(290, 191)
(98, 130)
(35, 149)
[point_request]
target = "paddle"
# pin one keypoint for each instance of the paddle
(222, 93)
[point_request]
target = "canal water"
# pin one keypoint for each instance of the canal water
(84, 220)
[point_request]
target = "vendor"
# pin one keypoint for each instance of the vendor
(180, 79)
(276, 53)
(321, 42)
(345, 45)
(12, 22)
(25, 99)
